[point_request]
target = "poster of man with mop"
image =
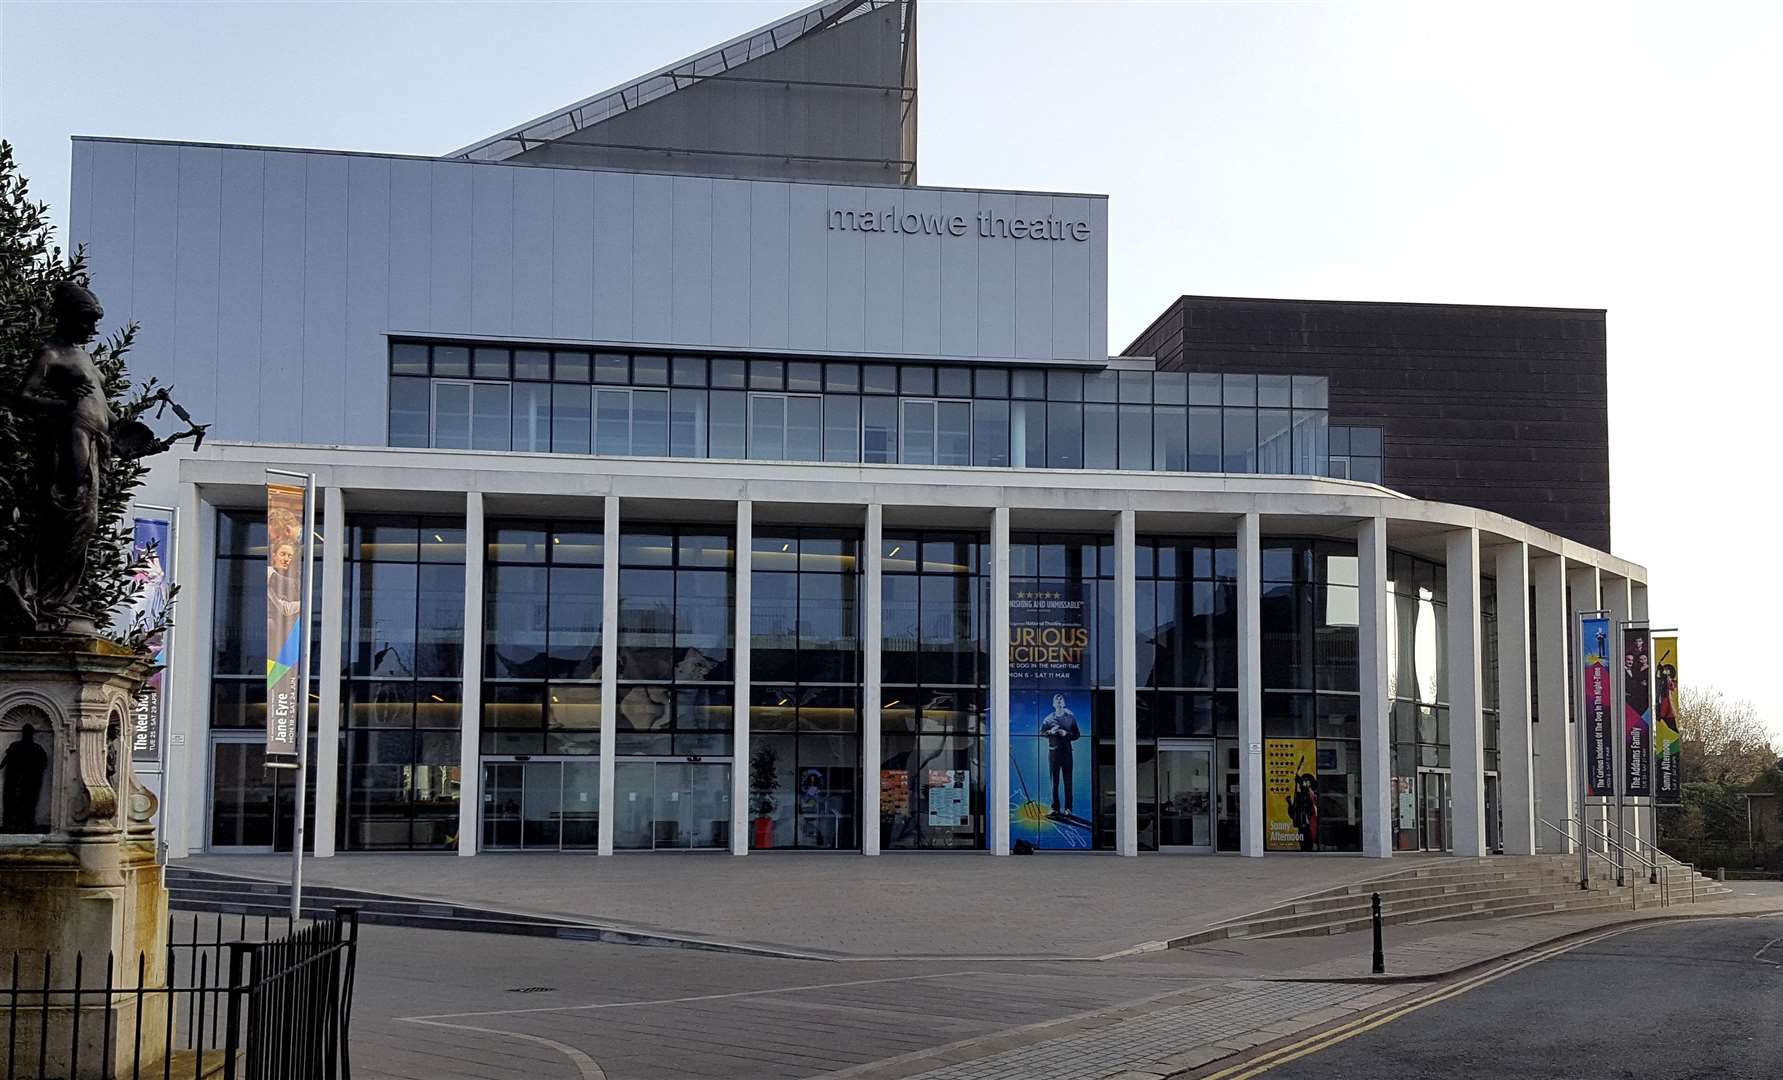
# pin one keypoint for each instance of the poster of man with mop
(1050, 726)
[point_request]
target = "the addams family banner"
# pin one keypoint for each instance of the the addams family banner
(1668, 741)
(1600, 751)
(1291, 788)
(1050, 736)
(151, 544)
(1637, 711)
(285, 564)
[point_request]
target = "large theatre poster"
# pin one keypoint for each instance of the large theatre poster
(285, 544)
(1051, 738)
(1291, 792)
(1668, 741)
(1637, 712)
(150, 548)
(1600, 751)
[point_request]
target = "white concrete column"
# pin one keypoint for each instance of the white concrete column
(1555, 733)
(1375, 707)
(609, 669)
(470, 738)
(1619, 602)
(185, 788)
(327, 667)
(745, 548)
(996, 795)
(1126, 693)
(1516, 761)
(1250, 685)
(872, 647)
(1467, 760)
(1583, 584)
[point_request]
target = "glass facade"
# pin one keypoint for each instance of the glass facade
(251, 805)
(541, 726)
(464, 397)
(402, 686)
(805, 672)
(402, 696)
(935, 672)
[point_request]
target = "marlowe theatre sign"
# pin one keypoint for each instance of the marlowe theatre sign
(986, 223)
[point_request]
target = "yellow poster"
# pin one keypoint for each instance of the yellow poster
(1290, 795)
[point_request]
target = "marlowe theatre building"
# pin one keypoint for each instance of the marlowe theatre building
(689, 477)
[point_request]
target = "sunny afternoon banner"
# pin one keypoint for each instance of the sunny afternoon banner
(1291, 791)
(1668, 741)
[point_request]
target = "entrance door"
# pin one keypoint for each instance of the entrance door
(1185, 796)
(1436, 810)
(672, 804)
(549, 805)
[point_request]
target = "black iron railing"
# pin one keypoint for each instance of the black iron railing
(231, 996)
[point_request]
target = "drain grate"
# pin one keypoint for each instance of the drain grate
(533, 990)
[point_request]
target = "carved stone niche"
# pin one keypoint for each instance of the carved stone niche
(75, 876)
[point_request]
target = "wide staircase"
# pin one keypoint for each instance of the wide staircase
(1452, 890)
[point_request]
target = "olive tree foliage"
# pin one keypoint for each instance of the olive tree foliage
(32, 265)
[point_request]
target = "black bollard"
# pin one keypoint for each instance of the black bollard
(1380, 958)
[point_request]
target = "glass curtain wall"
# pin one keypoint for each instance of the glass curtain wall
(459, 396)
(402, 692)
(541, 685)
(935, 668)
(250, 805)
(1417, 684)
(1186, 666)
(1309, 616)
(804, 663)
(676, 620)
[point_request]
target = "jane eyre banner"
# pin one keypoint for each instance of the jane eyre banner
(1668, 741)
(285, 564)
(1600, 751)
(1637, 711)
(1049, 715)
(150, 547)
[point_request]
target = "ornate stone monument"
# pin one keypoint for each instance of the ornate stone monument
(78, 874)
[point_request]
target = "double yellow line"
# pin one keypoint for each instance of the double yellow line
(1367, 1022)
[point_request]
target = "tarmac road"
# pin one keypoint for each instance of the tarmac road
(1679, 1002)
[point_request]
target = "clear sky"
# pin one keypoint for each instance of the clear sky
(1621, 156)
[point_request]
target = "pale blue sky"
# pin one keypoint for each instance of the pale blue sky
(1593, 155)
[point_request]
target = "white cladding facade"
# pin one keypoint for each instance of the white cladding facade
(267, 282)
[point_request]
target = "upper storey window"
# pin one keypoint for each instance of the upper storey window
(613, 404)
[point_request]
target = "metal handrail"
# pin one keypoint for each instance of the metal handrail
(1663, 880)
(1640, 843)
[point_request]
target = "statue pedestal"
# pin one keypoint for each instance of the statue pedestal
(77, 859)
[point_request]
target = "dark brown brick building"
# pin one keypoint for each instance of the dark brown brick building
(1503, 408)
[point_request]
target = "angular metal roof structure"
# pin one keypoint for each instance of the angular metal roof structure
(827, 93)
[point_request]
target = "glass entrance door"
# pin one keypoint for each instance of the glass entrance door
(1435, 810)
(1185, 796)
(551, 805)
(672, 804)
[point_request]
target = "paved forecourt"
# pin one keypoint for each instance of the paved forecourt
(445, 1006)
(902, 904)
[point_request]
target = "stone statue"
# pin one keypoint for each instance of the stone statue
(23, 767)
(77, 438)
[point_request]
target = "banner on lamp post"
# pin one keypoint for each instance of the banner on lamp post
(286, 562)
(1668, 740)
(151, 546)
(1637, 711)
(1594, 696)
